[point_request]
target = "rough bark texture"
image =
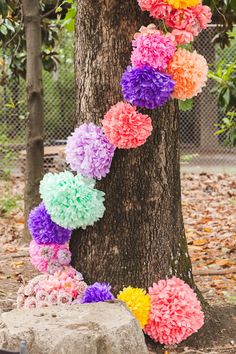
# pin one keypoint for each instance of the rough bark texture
(141, 237)
(34, 158)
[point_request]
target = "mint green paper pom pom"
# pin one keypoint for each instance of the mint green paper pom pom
(72, 201)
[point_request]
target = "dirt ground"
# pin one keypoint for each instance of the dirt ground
(209, 208)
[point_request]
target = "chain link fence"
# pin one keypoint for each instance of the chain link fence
(201, 150)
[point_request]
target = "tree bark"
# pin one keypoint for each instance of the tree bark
(141, 237)
(34, 156)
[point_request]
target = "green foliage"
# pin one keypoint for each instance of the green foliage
(225, 84)
(228, 129)
(185, 159)
(7, 155)
(69, 20)
(8, 202)
(185, 105)
(12, 40)
(224, 14)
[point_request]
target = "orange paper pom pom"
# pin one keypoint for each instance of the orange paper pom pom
(189, 71)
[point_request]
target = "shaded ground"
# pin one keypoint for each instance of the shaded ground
(209, 207)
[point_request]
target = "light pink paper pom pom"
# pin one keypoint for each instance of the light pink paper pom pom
(125, 127)
(49, 258)
(30, 302)
(175, 312)
(155, 50)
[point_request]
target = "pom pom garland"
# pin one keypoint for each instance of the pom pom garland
(171, 311)
(154, 50)
(98, 292)
(89, 152)
(146, 87)
(189, 70)
(44, 230)
(49, 258)
(125, 127)
(138, 303)
(72, 201)
(175, 312)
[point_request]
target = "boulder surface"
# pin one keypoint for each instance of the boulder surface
(99, 328)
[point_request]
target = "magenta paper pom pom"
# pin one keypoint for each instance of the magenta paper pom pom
(49, 258)
(89, 152)
(125, 127)
(154, 50)
(44, 230)
(175, 312)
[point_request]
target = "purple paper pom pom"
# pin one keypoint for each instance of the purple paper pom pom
(89, 152)
(44, 230)
(146, 87)
(98, 292)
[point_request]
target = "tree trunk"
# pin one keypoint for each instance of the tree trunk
(141, 237)
(34, 157)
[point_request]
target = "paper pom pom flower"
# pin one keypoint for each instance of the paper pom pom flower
(44, 230)
(62, 288)
(189, 70)
(72, 201)
(154, 50)
(157, 8)
(49, 258)
(146, 87)
(89, 152)
(182, 37)
(146, 30)
(125, 127)
(138, 303)
(182, 4)
(175, 312)
(192, 20)
(98, 292)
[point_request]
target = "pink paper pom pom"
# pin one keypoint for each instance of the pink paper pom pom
(49, 258)
(192, 19)
(125, 127)
(182, 37)
(175, 312)
(154, 50)
(158, 8)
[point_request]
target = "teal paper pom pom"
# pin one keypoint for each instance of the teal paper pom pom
(72, 201)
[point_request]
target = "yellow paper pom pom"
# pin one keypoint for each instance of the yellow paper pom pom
(182, 4)
(138, 303)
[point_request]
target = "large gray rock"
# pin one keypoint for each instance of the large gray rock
(101, 328)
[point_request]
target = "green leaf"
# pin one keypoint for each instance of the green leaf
(9, 25)
(185, 105)
(3, 30)
(219, 132)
